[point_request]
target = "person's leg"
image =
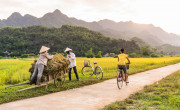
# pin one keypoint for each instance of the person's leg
(34, 74)
(75, 71)
(126, 75)
(70, 74)
(40, 72)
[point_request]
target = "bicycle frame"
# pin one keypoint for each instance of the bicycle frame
(93, 68)
(122, 74)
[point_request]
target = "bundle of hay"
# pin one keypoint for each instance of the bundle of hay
(59, 64)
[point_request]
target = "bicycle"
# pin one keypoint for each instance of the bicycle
(121, 77)
(89, 70)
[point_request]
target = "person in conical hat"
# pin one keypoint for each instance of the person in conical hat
(72, 58)
(41, 62)
(43, 49)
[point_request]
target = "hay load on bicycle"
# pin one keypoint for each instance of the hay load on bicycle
(58, 65)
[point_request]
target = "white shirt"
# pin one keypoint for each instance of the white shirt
(72, 59)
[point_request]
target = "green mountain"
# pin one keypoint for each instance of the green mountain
(25, 40)
(154, 36)
(139, 41)
(167, 49)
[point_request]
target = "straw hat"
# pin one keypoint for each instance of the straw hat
(68, 49)
(43, 49)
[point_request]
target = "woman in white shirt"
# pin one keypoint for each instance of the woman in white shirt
(72, 58)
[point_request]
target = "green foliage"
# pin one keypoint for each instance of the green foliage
(161, 55)
(99, 55)
(115, 56)
(89, 53)
(154, 55)
(132, 55)
(0, 57)
(24, 55)
(26, 40)
(145, 51)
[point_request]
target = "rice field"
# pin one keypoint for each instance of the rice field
(14, 71)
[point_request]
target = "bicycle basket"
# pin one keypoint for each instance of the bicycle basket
(86, 63)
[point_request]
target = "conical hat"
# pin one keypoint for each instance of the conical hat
(43, 49)
(68, 49)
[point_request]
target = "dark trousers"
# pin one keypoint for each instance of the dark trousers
(75, 71)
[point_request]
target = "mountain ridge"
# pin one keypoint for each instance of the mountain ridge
(154, 36)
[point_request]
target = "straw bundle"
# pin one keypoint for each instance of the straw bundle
(59, 64)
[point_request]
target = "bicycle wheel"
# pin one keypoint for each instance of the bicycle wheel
(120, 79)
(87, 71)
(98, 72)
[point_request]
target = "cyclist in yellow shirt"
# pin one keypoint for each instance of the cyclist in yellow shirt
(122, 63)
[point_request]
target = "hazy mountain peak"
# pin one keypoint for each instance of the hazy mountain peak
(29, 16)
(106, 21)
(15, 15)
(57, 12)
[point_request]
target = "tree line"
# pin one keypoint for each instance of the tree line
(16, 41)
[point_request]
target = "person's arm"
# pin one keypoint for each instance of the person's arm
(118, 59)
(48, 56)
(128, 59)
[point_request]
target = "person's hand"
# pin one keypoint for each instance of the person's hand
(69, 56)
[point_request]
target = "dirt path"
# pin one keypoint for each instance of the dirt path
(94, 96)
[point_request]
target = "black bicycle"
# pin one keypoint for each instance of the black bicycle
(89, 70)
(121, 77)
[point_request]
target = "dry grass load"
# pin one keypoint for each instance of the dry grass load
(57, 65)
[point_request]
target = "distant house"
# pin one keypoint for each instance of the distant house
(6, 53)
(109, 54)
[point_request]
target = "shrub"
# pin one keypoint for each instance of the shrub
(99, 55)
(161, 55)
(154, 55)
(89, 53)
(0, 57)
(24, 55)
(133, 55)
(115, 56)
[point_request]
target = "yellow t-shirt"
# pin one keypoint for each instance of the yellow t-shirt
(122, 59)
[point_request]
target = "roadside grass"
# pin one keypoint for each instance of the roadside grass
(109, 66)
(162, 95)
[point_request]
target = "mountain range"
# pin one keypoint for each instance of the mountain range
(154, 36)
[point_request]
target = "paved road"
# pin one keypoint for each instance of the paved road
(92, 97)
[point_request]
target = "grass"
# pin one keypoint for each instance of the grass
(16, 71)
(162, 95)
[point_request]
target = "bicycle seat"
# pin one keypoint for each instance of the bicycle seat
(95, 62)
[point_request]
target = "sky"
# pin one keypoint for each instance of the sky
(161, 13)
